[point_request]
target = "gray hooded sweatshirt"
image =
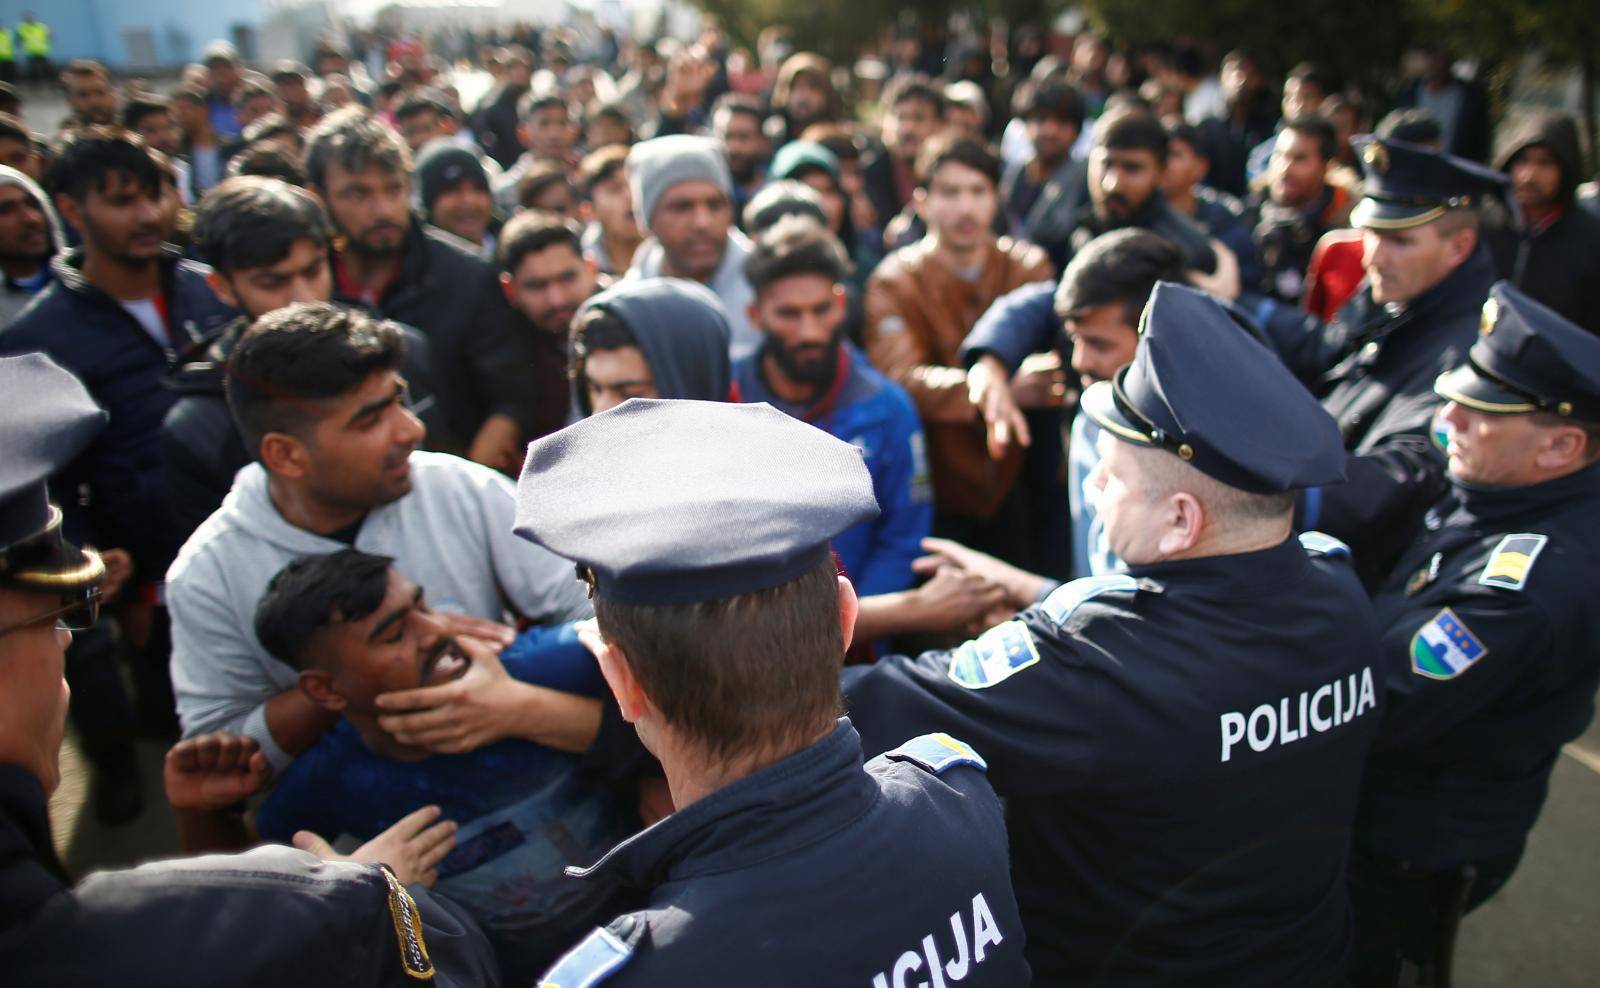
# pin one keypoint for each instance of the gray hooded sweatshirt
(451, 535)
(14, 297)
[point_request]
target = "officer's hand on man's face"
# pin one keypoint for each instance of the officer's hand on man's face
(461, 715)
(492, 634)
(411, 848)
(213, 771)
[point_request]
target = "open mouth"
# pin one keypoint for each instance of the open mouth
(445, 663)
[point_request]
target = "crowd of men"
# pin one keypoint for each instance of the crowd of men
(1091, 522)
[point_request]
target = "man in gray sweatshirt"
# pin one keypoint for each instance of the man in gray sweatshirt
(316, 392)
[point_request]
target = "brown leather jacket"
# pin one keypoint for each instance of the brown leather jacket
(917, 313)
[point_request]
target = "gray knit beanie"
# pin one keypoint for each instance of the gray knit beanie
(656, 165)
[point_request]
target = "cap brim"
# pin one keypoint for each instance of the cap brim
(1465, 386)
(1100, 404)
(1379, 214)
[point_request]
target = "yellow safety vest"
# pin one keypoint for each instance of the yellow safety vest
(35, 37)
(8, 46)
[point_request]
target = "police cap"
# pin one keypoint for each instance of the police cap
(674, 501)
(49, 420)
(1406, 185)
(1204, 389)
(1527, 358)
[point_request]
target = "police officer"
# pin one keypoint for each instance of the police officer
(271, 916)
(1492, 647)
(1413, 318)
(702, 529)
(1180, 744)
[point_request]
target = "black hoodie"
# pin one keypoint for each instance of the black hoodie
(1558, 264)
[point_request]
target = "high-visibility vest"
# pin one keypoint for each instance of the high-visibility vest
(35, 37)
(8, 45)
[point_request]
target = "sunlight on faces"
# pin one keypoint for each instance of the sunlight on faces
(1490, 450)
(24, 229)
(357, 455)
(303, 275)
(691, 220)
(612, 202)
(1184, 169)
(122, 218)
(1122, 180)
(1103, 342)
(614, 376)
(33, 668)
(371, 207)
(1536, 179)
(1131, 500)
(907, 125)
(959, 206)
(463, 209)
(1298, 172)
(549, 286)
(803, 318)
(1403, 264)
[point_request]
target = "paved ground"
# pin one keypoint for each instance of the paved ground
(1538, 931)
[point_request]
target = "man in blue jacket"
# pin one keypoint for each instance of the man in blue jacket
(806, 369)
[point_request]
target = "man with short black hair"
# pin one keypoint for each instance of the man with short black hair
(612, 232)
(1043, 195)
(152, 119)
(91, 97)
(807, 369)
(721, 623)
(546, 131)
(317, 394)
(1124, 174)
(17, 148)
(913, 111)
(546, 279)
(736, 122)
(1296, 206)
(1222, 216)
(268, 246)
(404, 270)
(921, 302)
(206, 149)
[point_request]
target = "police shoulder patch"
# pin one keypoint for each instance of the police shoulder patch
(994, 656)
(414, 959)
(1445, 647)
(937, 753)
(596, 957)
(1512, 561)
(1068, 597)
(1321, 544)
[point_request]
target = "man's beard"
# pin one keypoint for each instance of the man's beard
(814, 364)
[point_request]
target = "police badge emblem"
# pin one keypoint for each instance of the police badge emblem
(1444, 648)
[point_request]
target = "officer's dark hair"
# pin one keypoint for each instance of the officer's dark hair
(1320, 130)
(534, 232)
(538, 179)
(1314, 74)
(594, 330)
(1132, 129)
(313, 592)
(253, 222)
(1189, 134)
(250, 89)
(745, 676)
(1414, 125)
(1120, 267)
(272, 125)
(89, 156)
(425, 101)
(776, 200)
(292, 360)
(947, 148)
(143, 105)
(599, 166)
(268, 159)
(795, 245)
(914, 85)
(544, 98)
(353, 138)
(13, 129)
(1050, 97)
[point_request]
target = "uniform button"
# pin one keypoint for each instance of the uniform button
(1371, 349)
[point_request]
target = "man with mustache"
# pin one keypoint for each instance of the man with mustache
(316, 391)
(546, 278)
(806, 369)
(921, 302)
(401, 269)
(355, 629)
(683, 196)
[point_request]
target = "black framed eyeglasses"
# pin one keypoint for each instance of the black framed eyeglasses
(78, 611)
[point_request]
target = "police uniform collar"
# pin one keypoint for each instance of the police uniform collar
(1258, 573)
(32, 871)
(790, 804)
(1531, 502)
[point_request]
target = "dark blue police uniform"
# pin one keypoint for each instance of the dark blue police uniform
(1373, 366)
(1491, 655)
(815, 869)
(271, 916)
(1179, 745)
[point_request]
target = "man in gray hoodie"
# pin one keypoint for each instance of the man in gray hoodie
(30, 231)
(316, 392)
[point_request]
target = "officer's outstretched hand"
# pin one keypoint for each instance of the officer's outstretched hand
(411, 848)
(212, 771)
(461, 715)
